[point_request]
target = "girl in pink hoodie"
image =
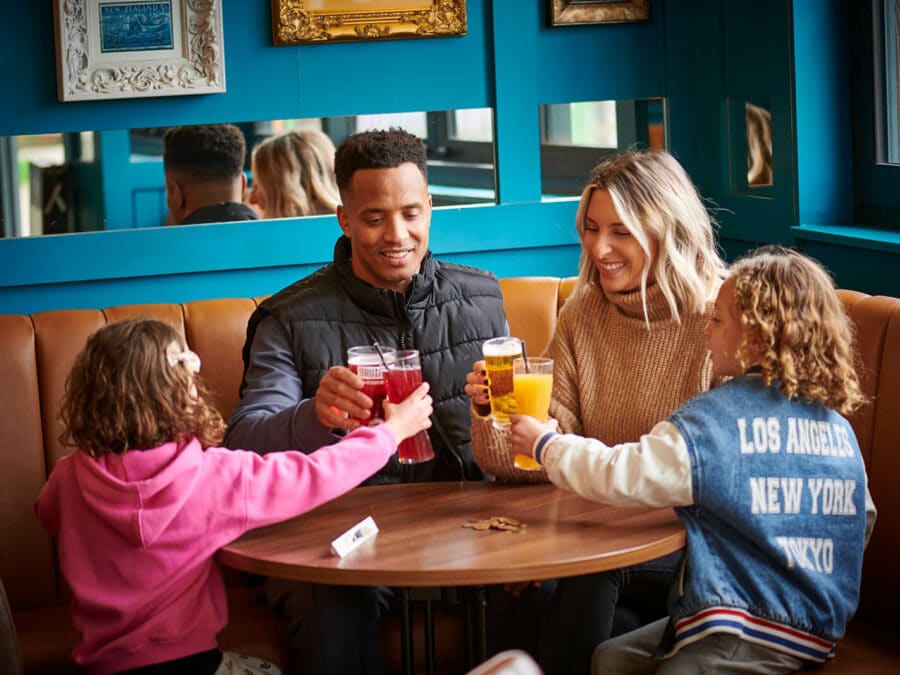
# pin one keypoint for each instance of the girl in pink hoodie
(140, 509)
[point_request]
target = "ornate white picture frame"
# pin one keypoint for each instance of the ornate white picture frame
(107, 49)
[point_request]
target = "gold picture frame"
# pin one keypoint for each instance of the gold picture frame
(568, 12)
(314, 21)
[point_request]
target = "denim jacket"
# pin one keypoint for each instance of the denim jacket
(776, 531)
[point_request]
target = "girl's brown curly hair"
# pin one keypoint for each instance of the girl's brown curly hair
(788, 300)
(122, 394)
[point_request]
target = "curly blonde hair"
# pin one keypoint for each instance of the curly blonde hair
(122, 393)
(296, 171)
(787, 300)
(656, 200)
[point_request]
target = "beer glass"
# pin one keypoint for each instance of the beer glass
(533, 384)
(365, 361)
(402, 376)
(499, 354)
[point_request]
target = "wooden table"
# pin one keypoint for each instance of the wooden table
(422, 541)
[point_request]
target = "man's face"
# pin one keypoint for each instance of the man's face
(387, 214)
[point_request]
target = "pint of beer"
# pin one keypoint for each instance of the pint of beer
(499, 354)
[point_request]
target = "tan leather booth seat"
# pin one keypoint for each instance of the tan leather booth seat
(37, 351)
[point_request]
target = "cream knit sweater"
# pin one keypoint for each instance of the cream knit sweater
(613, 378)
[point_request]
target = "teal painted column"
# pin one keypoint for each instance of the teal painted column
(824, 125)
(517, 129)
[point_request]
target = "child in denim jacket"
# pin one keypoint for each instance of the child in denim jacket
(764, 472)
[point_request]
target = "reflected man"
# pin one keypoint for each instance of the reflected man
(204, 171)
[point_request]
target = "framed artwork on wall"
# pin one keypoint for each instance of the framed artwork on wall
(107, 49)
(311, 21)
(567, 12)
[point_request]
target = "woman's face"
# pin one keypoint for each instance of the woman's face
(617, 255)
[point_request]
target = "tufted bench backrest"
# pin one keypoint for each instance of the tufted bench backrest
(877, 427)
(37, 351)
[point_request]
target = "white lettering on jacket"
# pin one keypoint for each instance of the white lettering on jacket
(803, 437)
(811, 553)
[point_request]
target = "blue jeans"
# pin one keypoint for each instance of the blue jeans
(589, 609)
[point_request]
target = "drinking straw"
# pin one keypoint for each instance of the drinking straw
(381, 354)
(524, 356)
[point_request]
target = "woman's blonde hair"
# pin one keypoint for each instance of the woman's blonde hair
(787, 301)
(296, 171)
(656, 200)
(123, 393)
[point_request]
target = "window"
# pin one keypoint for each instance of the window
(890, 81)
(575, 137)
(460, 145)
(38, 191)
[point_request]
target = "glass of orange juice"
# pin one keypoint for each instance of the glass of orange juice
(532, 384)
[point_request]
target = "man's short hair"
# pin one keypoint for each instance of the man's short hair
(205, 151)
(377, 150)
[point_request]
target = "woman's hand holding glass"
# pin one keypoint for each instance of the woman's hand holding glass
(477, 388)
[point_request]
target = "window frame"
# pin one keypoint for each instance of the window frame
(876, 183)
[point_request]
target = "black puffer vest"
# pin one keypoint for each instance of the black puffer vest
(448, 312)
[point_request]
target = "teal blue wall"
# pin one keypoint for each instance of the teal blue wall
(702, 55)
(848, 203)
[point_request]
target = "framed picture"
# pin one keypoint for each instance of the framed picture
(304, 21)
(566, 12)
(126, 49)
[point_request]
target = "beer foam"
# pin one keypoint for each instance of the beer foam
(508, 347)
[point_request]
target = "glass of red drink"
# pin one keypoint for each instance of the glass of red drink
(366, 362)
(402, 377)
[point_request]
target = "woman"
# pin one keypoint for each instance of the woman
(293, 175)
(628, 350)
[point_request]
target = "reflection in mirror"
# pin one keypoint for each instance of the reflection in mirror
(758, 120)
(575, 137)
(887, 86)
(104, 180)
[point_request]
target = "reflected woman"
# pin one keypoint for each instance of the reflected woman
(293, 175)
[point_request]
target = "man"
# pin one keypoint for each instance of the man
(204, 172)
(383, 286)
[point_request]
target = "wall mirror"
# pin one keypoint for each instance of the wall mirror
(758, 120)
(751, 169)
(113, 180)
(575, 137)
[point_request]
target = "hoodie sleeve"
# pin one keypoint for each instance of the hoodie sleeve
(282, 485)
(46, 506)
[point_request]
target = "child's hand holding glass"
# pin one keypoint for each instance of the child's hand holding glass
(411, 416)
(524, 431)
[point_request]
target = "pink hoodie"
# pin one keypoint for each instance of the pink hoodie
(138, 531)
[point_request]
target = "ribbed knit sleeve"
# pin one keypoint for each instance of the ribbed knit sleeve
(490, 448)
